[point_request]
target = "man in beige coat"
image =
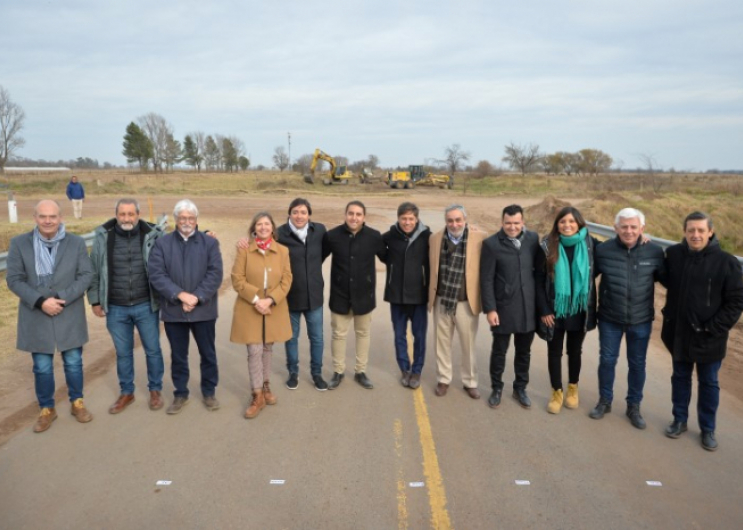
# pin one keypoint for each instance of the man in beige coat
(454, 296)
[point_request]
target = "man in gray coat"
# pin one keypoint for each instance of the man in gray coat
(49, 270)
(508, 293)
(120, 292)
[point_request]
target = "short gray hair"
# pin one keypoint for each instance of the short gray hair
(127, 200)
(453, 207)
(187, 205)
(629, 213)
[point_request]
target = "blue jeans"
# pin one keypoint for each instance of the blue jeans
(313, 318)
(44, 375)
(708, 398)
(121, 321)
(418, 316)
(204, 333)
(637, 337)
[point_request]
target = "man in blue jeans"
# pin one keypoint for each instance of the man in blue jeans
(704, 301)
(49, 270)
(629, 268)
(303, 238)
(120, 291)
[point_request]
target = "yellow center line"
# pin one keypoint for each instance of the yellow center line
(434, 481)
(402, 507)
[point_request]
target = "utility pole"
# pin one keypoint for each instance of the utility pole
(289, 136)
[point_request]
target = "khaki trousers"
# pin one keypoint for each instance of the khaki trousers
(77, 208)
(465, 323)
(339, 324)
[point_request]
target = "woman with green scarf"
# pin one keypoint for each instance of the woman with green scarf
(566, 300)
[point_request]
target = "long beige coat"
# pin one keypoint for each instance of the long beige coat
(248, 273)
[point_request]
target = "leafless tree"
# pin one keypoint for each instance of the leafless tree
(484, 169)
(523, 158)
(11, 123)
(157, 130)
(372, 161)
(454, 157)
(280, 158)
(651, 166)
(302, 164)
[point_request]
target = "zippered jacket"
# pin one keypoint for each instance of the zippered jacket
(408, 270)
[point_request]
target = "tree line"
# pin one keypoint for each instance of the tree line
(150, 142)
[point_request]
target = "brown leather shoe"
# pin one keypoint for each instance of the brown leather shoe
(123, 402)
(441, 389)
(80, 412)
(46, 417)
(472, 392)
(268, 395)
(156, 400)
(256, 405)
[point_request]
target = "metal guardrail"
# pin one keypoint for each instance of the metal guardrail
(89, 238)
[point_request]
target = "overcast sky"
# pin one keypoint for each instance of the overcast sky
(401, 80)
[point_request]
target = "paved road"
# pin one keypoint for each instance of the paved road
(348, 457)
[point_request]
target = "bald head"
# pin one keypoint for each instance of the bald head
(48, 216)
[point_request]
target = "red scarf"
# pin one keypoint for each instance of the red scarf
(264, 244)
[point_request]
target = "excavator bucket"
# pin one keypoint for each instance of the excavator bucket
(309, 179)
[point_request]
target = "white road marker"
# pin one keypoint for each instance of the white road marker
(278, 481)
(416, 484)
(163, 483)
(523, 483)
(653, 483)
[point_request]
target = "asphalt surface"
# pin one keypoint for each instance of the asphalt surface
(356, 458)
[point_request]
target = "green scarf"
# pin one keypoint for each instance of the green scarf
(572, 283)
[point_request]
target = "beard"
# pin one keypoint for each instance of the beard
(127, 227)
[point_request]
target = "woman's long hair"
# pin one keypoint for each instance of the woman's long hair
(257, 217)
(553, 239)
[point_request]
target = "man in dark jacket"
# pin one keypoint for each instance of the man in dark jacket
(304, 238)
(120, 292)
(629, 269)
(353, 281)
(704, 301)
(508, 295)
(406, 288)
(185, 269)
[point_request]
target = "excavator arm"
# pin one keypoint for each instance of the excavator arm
(320, 155)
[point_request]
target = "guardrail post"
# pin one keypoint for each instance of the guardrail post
(12, 208)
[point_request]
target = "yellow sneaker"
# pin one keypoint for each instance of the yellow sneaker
(571, 400)
(555, 404)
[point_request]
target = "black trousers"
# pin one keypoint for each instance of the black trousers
(521, 359)
(574, 346)
(204, 333)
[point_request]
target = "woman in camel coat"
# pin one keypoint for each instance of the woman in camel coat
(261, 277)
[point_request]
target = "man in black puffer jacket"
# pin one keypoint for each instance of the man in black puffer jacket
(704, 301)
(629, 269)
(406, 289)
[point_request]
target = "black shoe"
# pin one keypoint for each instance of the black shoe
(708, 441)
(337, 378)
(494, 399)
(293, 382)
(405, 379)
(320, 383)
(633, 413)
(364, 381)
(519, 394)
(601, 408)
(675, 429)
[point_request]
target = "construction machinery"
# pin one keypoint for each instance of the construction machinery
(338, 174)
(417, 176)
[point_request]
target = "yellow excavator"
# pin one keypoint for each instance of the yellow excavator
(417, 176)
(338, 174)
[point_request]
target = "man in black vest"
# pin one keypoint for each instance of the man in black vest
(629, 269)
(508, 294)
(120, 291)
